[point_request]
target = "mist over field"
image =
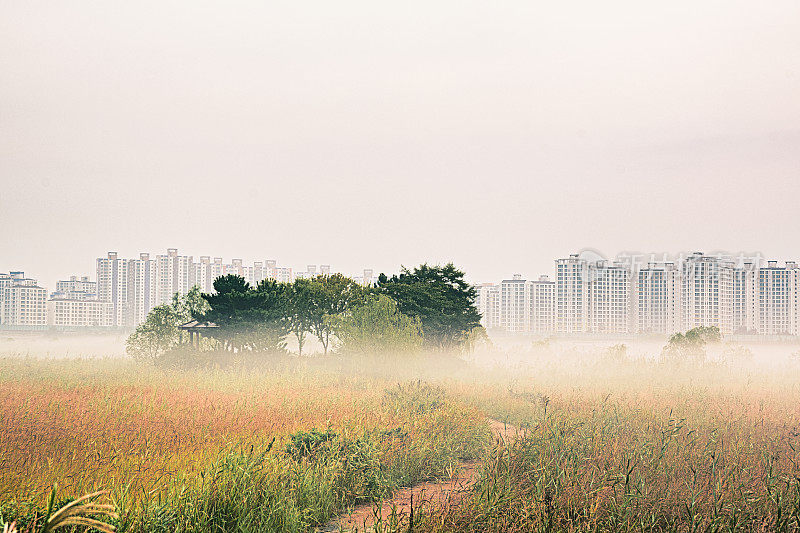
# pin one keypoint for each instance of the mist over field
(59, 346)
(502, 351)
(584, 434)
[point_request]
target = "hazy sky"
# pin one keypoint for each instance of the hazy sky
(498, 135)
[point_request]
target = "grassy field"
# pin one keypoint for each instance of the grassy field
(606, 443)
(615, 445)
(262, 449)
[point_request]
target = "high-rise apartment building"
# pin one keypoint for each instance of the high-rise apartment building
(572, 302)
(238, 268)
(112, 286)
(657, 306)
(217, 269)
(259, 273)
(312, 272)
(777, 299)
(23, 302)
(77, 285)
(174, 275)
(69, 313)
(202, 274)
(515, 305)
(75, 288)
(608, 292)
(707, 292)
(744, 302)
(249, 275)
(206, 271)
(142, 289)
(587, 296)
(5, 281)
(663, 297)
(542, 301)
(367, 278)
(280, 274)
(134, 286)
(487, 302)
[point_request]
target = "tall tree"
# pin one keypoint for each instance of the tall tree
(252, 319)
(331, 295)
(190, 305)
(439, 296)
(159, 332)
(301, 309)
(271, 301)
(376, 326)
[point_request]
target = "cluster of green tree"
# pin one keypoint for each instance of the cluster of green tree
(692, 343)
(440, 298)
(159, 333)
(260, 318)
(429, 306)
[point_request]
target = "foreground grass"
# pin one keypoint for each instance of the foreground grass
(258, 450)
(639, 446)
(606, 443)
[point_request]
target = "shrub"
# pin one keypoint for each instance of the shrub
(691, 345)
(306, 443)
(416, 397)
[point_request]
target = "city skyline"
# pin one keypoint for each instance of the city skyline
(633, 293)
(530, 271)
(662, 296)
(125, 289)
(62, 274)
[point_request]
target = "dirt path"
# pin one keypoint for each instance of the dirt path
(443, 493)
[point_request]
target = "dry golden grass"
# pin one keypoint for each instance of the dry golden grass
(639, 446)
(101, 424)
(608, 444)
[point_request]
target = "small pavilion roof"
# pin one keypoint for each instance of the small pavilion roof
(195, 325)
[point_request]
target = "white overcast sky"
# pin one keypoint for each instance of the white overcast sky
(498, 135)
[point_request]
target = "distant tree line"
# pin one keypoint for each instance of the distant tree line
(429, 307)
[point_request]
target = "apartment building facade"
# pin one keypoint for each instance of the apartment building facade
(23, 303)
(366, 279)
(777, 308)
(572, 302)
(129, 289)
(542, 299)
(593, 296)
(142, 290)
(515, 305)
(112, 286)
(81, 287)
(657, 308)
(608, 294)
(745, 299)
(174, 274)
(487, 301)
(71, 313)
(707, 292)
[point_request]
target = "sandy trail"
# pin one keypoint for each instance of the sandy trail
(441, 493)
